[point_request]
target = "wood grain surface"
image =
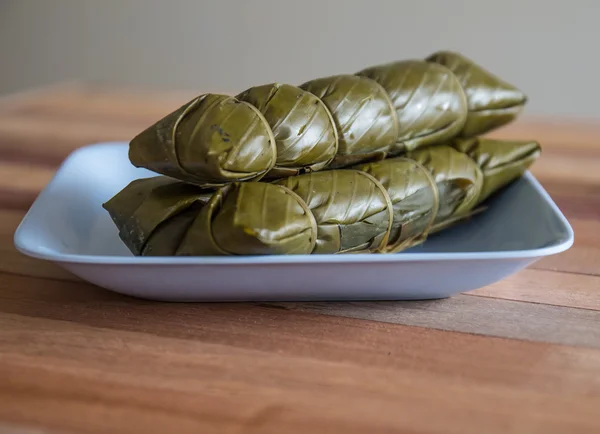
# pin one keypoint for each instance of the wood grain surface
(519, 356)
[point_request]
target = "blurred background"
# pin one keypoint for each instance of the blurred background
(547, 48)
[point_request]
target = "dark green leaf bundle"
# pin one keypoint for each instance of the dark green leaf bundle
(278, 130)
(383, 206)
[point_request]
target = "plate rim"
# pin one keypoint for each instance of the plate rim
(68, 258)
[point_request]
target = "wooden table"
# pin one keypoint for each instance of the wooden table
(520, 356)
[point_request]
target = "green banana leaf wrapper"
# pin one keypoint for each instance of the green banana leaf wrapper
(492, 102)
(501, 161)
(352, 209)
(383, 206)
(161, 216)
(277, 130)
(365, 118)
(414, 198)
(210, 141)
(337, 211)
(429, 101)
(305, 133)
(154, 214)
(429, 188)
(251, 218)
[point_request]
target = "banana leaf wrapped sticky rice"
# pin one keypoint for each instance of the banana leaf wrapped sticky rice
(377, 207)
(270, 131)
(492, 102)
(429, 101)
(257, 218)
(278, 130)
(368, 162)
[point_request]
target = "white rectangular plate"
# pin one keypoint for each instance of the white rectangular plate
(67, 225)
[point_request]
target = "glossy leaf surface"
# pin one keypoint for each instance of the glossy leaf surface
(251, 218)
(492, 101)
(413, 194)
(458, 178)
(211, 141)
(352, 210)
(152, 213)
(501, 161)
(162, 216)
(365, 118)
(430, 104)
(305, 133)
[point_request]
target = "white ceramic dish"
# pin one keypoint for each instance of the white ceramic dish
(67, 225)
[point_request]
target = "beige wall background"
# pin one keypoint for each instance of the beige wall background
(547, 48)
